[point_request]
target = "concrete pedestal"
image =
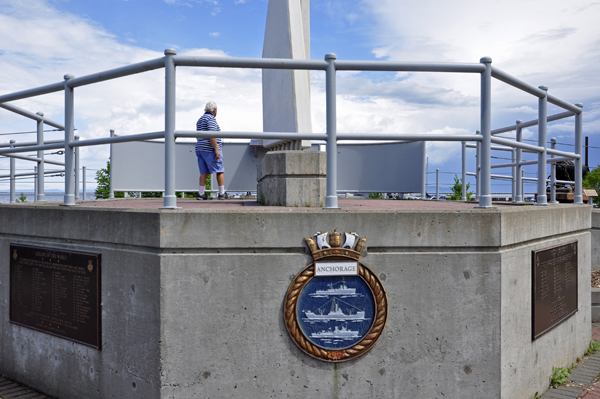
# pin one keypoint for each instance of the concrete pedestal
(293, 178)
(192, 302)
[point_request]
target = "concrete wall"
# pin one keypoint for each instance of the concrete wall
(192, 303)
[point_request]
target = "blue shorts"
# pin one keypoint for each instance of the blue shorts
(207, 162)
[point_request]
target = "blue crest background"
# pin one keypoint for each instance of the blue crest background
(344, 327)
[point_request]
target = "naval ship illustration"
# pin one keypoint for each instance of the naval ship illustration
(341, 290)
(335, 313)
(341, 332)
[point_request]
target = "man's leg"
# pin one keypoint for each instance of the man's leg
(221, 183)
(203, 178)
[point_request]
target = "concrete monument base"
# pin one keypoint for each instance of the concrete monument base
(292, 178)
(192, 302)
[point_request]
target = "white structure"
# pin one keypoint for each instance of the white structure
(286, 93)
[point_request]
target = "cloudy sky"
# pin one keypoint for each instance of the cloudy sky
(549, 42)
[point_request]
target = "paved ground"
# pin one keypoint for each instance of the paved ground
(366, 204)
(585, 378)
(12, 390)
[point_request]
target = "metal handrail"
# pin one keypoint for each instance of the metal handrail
(330, 65)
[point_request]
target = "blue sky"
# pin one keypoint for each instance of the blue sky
(547, 42)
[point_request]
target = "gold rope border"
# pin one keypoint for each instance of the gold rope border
(359, 348)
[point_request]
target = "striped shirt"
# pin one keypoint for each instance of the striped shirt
(207, 122)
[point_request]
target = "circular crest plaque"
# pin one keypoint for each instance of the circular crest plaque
(336, 308)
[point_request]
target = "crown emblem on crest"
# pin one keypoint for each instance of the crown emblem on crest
(323, 245)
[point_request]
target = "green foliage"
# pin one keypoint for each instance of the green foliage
(150, 194)
(22, 198)
(560, 375)
(103, 179)
(592, 180)
(103, 188)
(536, 396)
(457, 190)
(594, 347)
(376, 195)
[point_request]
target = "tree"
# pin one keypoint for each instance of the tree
(103, 179)
(457, 190)
(592, 180)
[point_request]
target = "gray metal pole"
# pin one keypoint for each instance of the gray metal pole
(170, 198)
(69, 133)
(426, 177)
(523, 184)
(41, 196)
(477, 169)
(76, 170)
(485, 198)
(111, 192)
(424, 169)
(553, 174)
(514, 175)
(519, 157)
(464, 170)
(437, 184)
(83, 182)
(331, 200)
(35, 187)
(13, 196)
(542, 198)
(578, 166)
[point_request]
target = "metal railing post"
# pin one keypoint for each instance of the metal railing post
(553, 174)
(111, 190)
(485, 199)
(170, 199)
(513, 171)
(214, 186)
(41, 196)
(76, 192)
(477, 168)
(83, 182)
(35, 187)
(13, 196)
(331, 200)
(542, 198)
(523, 184)
(437, 184)
(519, 157)
(69, 198)
(578, 162)
(424, 169)
(464, 170)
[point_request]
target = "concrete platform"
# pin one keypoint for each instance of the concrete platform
(192, 299)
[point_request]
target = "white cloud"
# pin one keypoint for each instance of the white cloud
(41, 45)
(547, 42)
(214, 34)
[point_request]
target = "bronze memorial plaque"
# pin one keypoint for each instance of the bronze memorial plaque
(56, 291)
(554, 286)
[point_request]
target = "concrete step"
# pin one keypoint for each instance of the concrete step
(595, 305)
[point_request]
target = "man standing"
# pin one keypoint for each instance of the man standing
(209, 152)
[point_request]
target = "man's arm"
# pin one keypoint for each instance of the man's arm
(215, 145)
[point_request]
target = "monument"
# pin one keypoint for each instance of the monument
(289, 177)
(209, 302)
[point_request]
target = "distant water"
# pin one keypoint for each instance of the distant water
(50, 196)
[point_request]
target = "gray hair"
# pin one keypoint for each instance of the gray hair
(210, 106)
